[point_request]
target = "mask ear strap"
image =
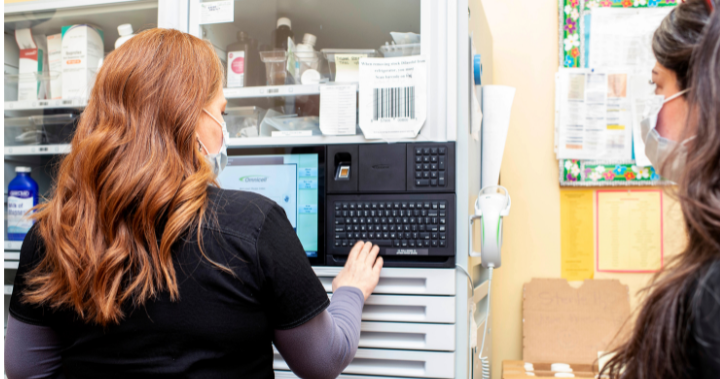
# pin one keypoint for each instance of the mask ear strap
(675, 96)
(202, 145)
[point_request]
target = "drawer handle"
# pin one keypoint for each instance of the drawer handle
(406, 312)
(386, 367)
(386, 284)
(390, 339)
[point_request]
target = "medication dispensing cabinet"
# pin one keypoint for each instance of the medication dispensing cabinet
(417, 322)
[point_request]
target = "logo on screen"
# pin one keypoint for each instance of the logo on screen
(254, 179)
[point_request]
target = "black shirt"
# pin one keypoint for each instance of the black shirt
(222, 326)
(705, 344)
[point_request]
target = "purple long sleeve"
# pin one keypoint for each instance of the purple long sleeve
(325, 345)
(31, 351)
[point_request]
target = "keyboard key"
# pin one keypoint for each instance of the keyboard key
(374, 205)
(352, 205)
(393, 235)
(426, 159)
(433, 150)
(433, 182)
(434, 166)
(442, 228)
(418, 151)
(434, 205)
(408, 235)
(411, 243)
(338, 206)
(426, 150)
(441, 163)
(404, 243)
(442, 213)
(443, 243)
(425, 236)
(384, 243)
(442, 205)
(442, 236)
(339, 236)
(434, 236)
(396, 243)
(442, 220)
(338, 243)
(371, 235)
(433, 159)
(432, 213)
(381, 205)
(434, 243)
(427, 205)
(345, 243)
(386, 235)
(433, 174)
(418, 159)
(427, 243)
(422, 182)
(421, 228)
(364, 235)
(419, 243)
(339, 228)
(426, 166)
(441, 180)
(441, 150)
(426, 174)
(345, 206)
(418, 174)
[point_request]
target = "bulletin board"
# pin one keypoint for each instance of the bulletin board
(574, 35)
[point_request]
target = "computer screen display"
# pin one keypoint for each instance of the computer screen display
(291, 180)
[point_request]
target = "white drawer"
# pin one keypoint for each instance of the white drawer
(416, 364)
(393, 335)
(411, 281)
(435, 309)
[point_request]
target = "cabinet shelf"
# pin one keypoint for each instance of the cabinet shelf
(8, 289)
(38, 149)
(273, 91)
(44, 104)
(13, 265)
(13, 245)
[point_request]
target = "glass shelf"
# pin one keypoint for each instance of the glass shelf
(13, 245)
(44, 104)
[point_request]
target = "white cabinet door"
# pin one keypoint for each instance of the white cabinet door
(416, 364)
(410, 281)
(393, 335)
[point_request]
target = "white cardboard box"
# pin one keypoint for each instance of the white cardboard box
(82, 51)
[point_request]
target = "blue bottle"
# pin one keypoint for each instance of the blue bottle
(22, 196)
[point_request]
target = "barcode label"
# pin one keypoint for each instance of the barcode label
(394, 103)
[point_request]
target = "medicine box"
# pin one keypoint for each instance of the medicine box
(32, 63)
(82, 52)
(54, 46)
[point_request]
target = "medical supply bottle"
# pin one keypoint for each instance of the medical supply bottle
(126, 32)
(238, 61)
(22, 196)
(283, 32)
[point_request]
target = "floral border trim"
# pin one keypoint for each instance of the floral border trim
(572, 44)
(581, 173)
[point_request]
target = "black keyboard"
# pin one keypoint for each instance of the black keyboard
(402, 225)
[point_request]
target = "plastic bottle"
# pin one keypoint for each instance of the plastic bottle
(283, 32)
(238, 61)
(126, 32)
(22, 196)
(308, 59)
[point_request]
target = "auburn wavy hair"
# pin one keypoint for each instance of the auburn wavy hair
(134, 182)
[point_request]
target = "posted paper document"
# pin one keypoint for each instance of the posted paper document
(629, 230)
(577, 234)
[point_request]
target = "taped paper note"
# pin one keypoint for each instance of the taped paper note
(577, 234)
(337, 109)
(217, 12)
(629, 230)
(393, 97)
(347, 67)
(622, 37)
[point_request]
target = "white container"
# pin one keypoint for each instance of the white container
(82, 52)
(54, 45)
(126, 32)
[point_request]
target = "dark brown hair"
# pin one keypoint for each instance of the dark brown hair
(678, 34)
(134, 163)
(660, 345)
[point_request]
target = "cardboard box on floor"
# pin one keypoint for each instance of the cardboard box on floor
(562, 324)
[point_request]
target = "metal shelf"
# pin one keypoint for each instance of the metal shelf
(44, 104)
(38, 149)
(13, 245)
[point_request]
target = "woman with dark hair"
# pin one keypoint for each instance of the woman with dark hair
(140, 266)
(677, 330)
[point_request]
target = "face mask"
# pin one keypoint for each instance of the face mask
(659, 149)
(218, 160)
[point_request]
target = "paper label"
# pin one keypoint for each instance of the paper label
(291, 65)
(54, 45)
(347, 67)
(393, 97)
(236, 69)
(19, 202)
(292, 133)
(338, 104)
(217, 12)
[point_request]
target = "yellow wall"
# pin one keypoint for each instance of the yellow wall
(525, 56)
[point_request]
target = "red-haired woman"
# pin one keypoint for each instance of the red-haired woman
(140, 266)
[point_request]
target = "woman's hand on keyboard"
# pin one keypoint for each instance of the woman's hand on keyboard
(362, 269)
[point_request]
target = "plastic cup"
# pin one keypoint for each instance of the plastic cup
(275, 62)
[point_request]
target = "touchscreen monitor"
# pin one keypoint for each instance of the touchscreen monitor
(292, 179)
